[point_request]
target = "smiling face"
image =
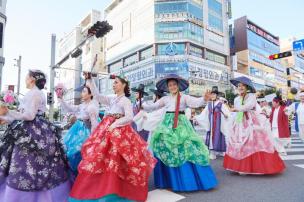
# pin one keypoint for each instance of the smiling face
(242, 88)
(275, 104)
(137, 95)
(172, 86)
(302, 97)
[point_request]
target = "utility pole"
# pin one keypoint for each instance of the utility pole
(52, 76)
(19, 74)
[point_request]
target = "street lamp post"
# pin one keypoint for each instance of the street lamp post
(18, 65)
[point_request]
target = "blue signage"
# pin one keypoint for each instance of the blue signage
(298, 45)
(171, 49)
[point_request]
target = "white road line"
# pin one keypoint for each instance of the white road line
(163, 195)
(293, 157)
(299, 165)
(295, 149)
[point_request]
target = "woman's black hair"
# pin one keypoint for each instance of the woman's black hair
(127, 87)
(40, 78)
(172, 79)
(89, 91)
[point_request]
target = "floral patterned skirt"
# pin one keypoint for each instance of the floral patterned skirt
(115, 162)
(184, 158)
(174, 147)
(32, 158)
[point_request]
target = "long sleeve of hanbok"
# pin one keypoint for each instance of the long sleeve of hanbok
(290, 109)
(225, 119)
(203, 119)
(102, 99)
(93, 114)
(194, 102)
(128, 115)
(154, 106)
(28, 113)
(68, 108)
(139, 119)
(249, 104)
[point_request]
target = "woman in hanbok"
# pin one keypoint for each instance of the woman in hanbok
(137, 108)
(87, 120)
(183, 158)
(250, 149)
(115, 164)
(33, 166)
(279, 122)
(150, 120)
(297, 108)
(214, 119)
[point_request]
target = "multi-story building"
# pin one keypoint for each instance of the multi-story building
(251, 46)
(2, 28)
(295, 63)
(152, 38)
(91, 58)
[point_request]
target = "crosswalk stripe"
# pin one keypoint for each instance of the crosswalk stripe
(299, 165)
(163, 195)
(293, 157)
(297, 145)
(295, 149)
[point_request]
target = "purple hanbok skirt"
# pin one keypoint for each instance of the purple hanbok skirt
(32, 163)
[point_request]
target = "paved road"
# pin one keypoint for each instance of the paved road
(286, 187)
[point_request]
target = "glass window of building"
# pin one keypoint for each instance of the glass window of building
(147, 53)
(215, 22)
(255, 72)
(215, 15)
(115, 67)
(1, 35)
(196, 51)
(215, 6)
(261, 45)
(178, 30)
(215, 57)
(130, 60)
(171, 49)
(179, 7)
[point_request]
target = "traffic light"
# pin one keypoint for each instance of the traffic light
(99, 29)
(50, 99)
(280, 55)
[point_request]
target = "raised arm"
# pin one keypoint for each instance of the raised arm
(154, 106)
(102, 99)
(128, 116)
(93, 111)
(68, 107)
(194, 102)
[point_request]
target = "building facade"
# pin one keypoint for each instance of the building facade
(153, 38)
(2, 28)
(91, 59)
(251, 46)
(295, 63)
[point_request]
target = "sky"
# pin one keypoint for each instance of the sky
(30, 24)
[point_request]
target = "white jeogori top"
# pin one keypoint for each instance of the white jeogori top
(299, 111)
(85, 111)
(169, 103)
(250, 103)
(33, 104)
(115, 105)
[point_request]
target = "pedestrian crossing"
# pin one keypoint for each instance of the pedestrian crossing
(295, 152)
